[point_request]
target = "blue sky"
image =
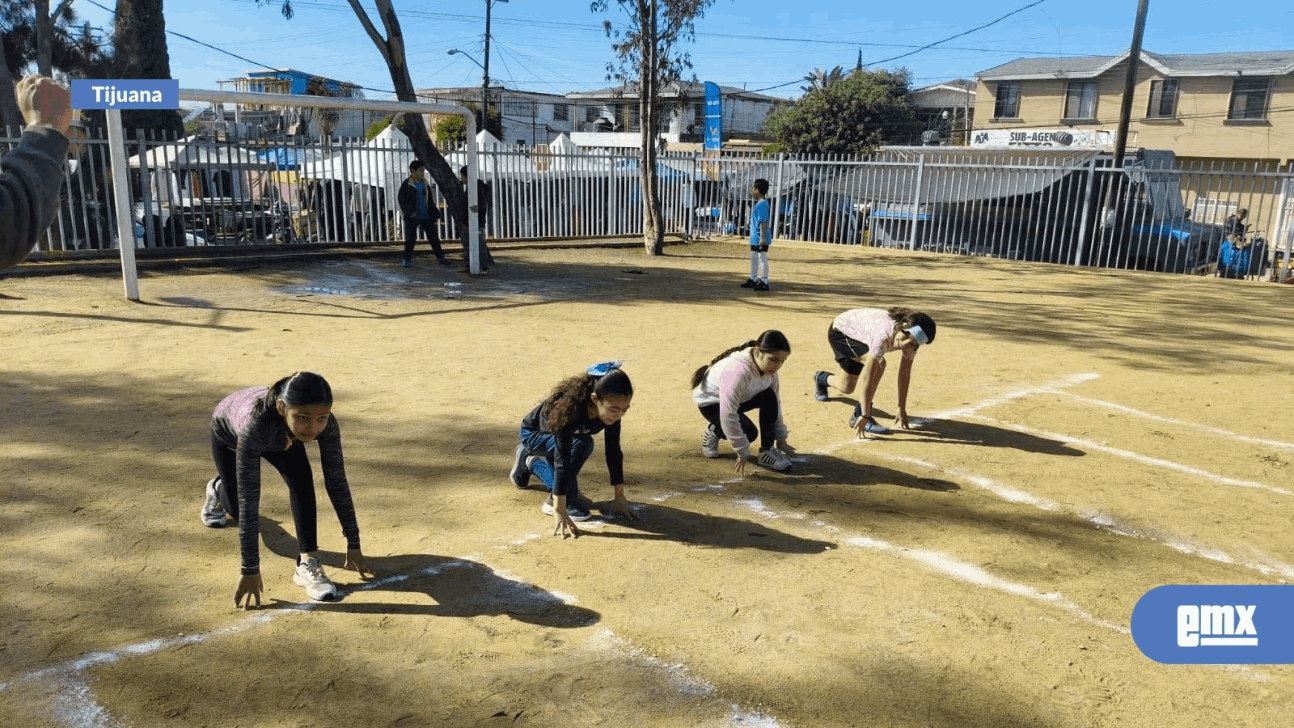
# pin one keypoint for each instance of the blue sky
(557, 46)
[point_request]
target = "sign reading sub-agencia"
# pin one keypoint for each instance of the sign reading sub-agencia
(1028, 138)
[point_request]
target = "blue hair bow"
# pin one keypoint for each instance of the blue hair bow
(605, 368)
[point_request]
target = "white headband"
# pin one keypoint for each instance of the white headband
(919, 334)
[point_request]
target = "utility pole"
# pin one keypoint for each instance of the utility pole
(485, 79)
(1130, 86)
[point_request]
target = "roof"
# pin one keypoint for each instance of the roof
(1252, 63)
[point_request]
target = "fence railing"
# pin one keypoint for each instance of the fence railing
(1072, 208)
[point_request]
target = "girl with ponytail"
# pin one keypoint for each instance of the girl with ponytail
(275, 423)
(859, 339)
(557, 439)
(739, 380)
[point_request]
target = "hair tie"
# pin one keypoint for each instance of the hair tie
(605, 368)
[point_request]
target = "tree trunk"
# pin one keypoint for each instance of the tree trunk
(44, 39)
(10, 114)
(413, 125)
(653, 230)
(139, 38)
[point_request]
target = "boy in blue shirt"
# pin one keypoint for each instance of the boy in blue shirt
(761, 236)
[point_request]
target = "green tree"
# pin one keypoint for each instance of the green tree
(453, 130)
(139, 45)
(819, 79)
(58, 45)
(648, 58)
(852, 116)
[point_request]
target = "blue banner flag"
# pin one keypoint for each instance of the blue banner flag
(1216, 624)
(126, 93)
(713, 117)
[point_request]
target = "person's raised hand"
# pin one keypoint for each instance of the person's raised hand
(44, 103)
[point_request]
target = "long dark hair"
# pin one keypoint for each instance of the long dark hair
(297, 390)
(906, 318)
(768, 342)
(570, 395)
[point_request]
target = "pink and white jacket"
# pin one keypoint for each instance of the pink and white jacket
(730, 382)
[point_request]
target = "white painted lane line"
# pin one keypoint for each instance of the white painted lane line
(1099, 520)
(1070, 381)
(1143, 459)
(1171, 421)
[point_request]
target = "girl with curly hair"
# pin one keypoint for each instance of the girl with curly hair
(557, 439)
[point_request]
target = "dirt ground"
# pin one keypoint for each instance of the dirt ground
(1089, 435)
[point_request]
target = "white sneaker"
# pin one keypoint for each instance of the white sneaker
(710, 442)
(213, 511)
(319, 587)
(773, 459)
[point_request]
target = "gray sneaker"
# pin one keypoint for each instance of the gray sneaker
(213, 512)
(574, 510)
(520, 475)
(319, 587)
(773, 459)
(710, 442)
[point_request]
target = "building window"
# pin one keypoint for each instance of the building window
(1163, 99)
(517, 108)
(561, 112)
(698, 114)
(591, 113)
(1249, 97)
(1007, 105)
(1080, 100)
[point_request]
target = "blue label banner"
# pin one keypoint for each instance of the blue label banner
(1216, 624)
(126, 93)
(713, 117)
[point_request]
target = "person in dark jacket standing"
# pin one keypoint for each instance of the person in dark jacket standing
(418, 211)
(31, 174)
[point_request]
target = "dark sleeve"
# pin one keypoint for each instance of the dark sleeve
(30, 177)
(615, 458)
(334, 474)
(563, 475)
(408, 205)
(248, 459)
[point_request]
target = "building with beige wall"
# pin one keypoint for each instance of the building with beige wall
(1220, 106)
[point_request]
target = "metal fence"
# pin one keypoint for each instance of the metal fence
(1069, 207)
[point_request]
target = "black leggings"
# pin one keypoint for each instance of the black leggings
(767, 404)
(293, 465)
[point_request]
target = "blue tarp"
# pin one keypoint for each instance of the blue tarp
(281, 157)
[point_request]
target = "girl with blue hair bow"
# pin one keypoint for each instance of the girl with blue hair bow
(557, 439)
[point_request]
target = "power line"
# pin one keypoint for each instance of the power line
(954, 37)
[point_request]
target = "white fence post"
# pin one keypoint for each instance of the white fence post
(1087, 208)
(916, 201)
(125, 211)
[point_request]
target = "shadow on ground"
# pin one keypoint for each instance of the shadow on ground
(459, 587)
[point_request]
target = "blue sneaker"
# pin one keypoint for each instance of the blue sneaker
(820, 386)
(872, 428)
(858, 415)
(406, 264)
